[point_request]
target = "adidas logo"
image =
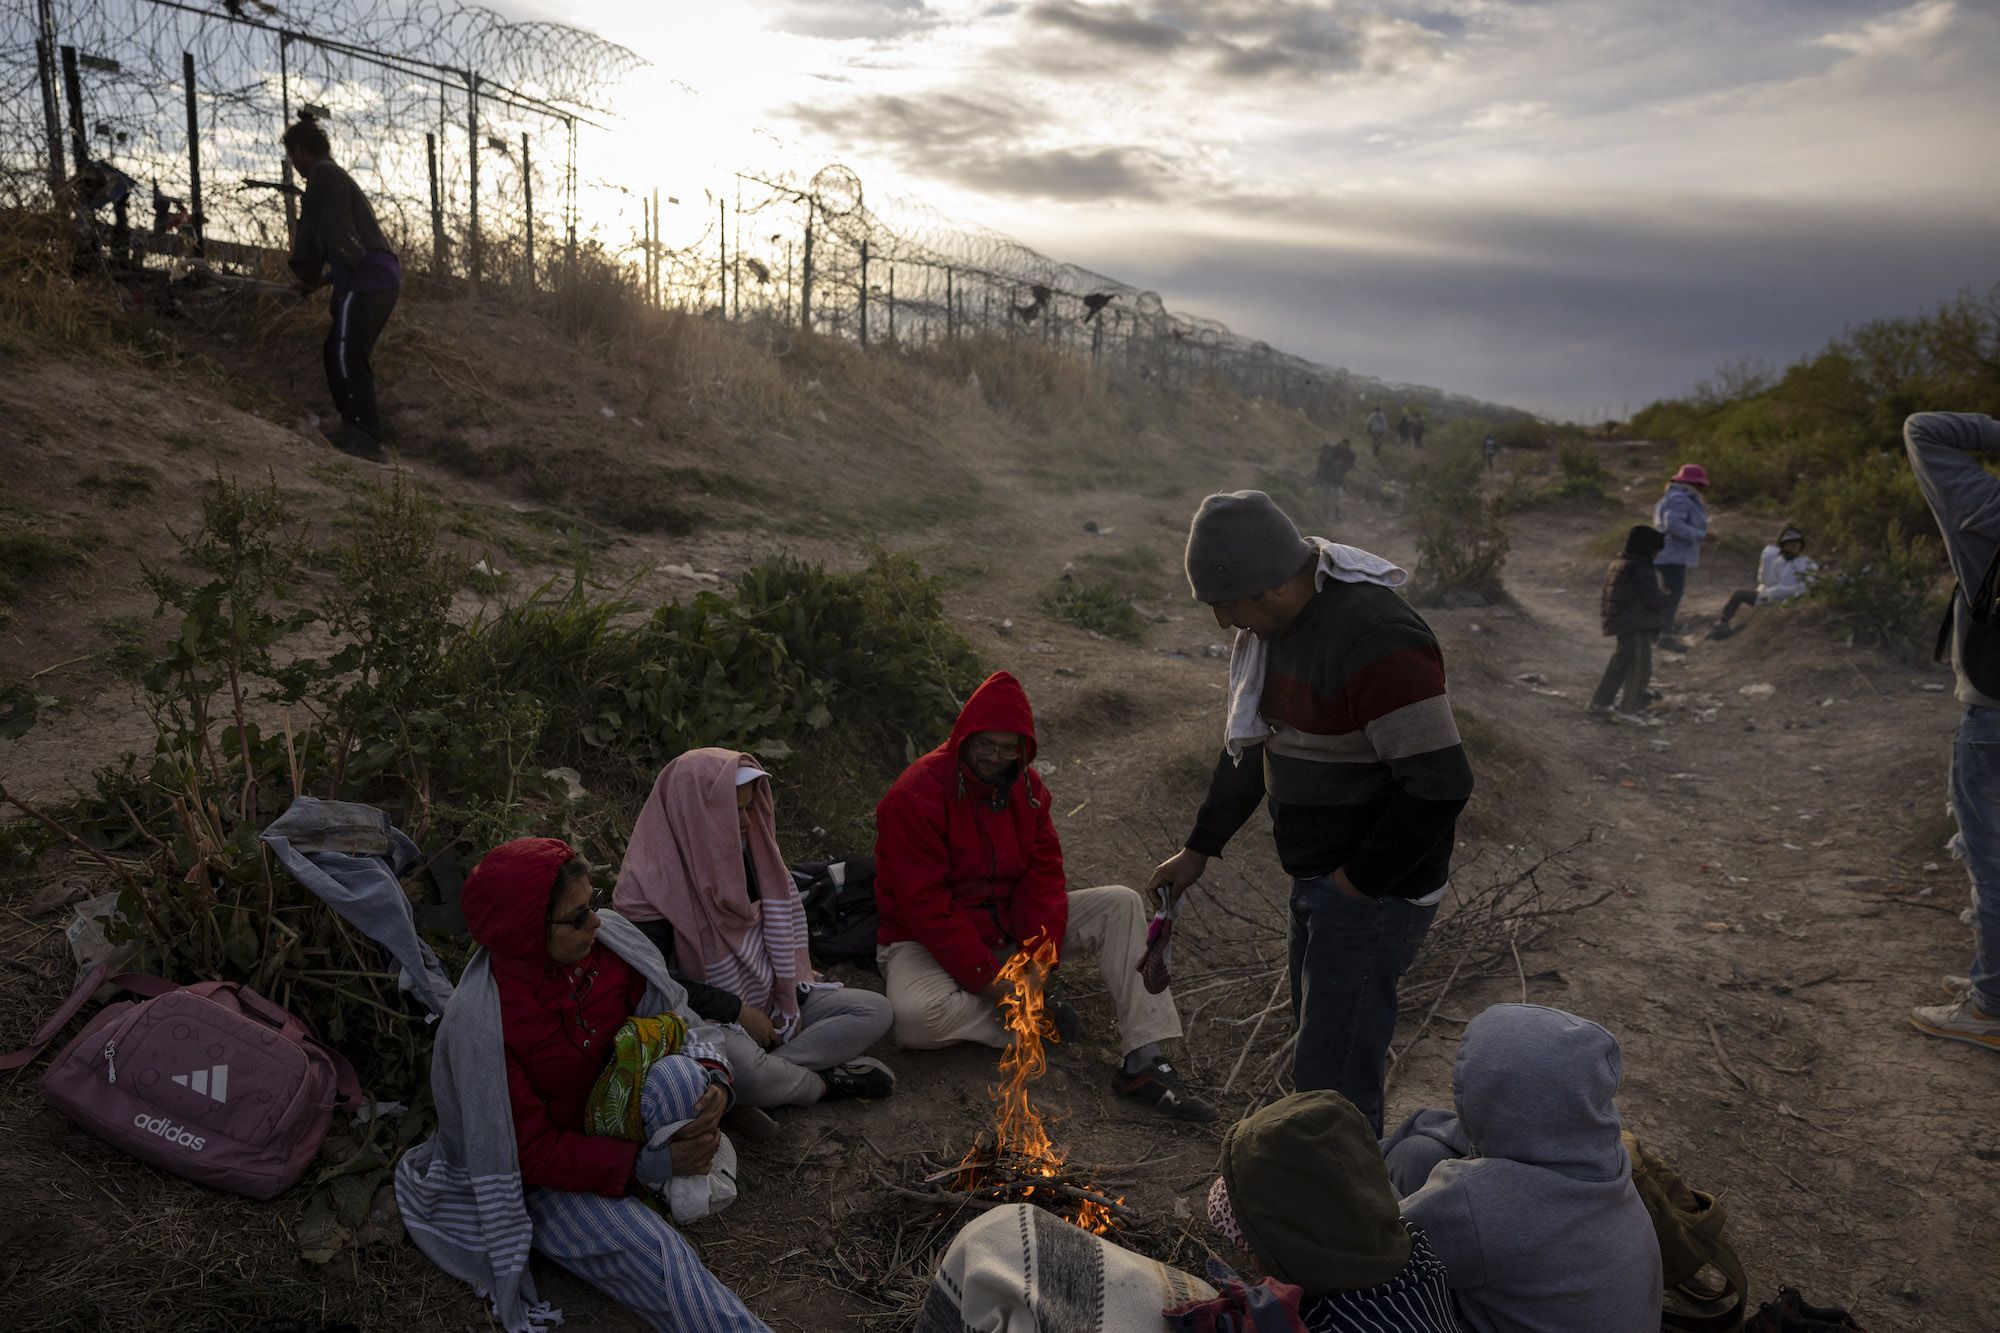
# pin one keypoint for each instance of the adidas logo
(212, 1082)
(168, 1130)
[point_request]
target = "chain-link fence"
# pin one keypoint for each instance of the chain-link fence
(490, 149)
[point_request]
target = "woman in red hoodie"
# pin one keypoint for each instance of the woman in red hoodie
(564, 993)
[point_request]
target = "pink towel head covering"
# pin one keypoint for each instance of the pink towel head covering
(684, 863)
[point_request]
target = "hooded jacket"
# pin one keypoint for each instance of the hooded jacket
(962, 868)
(1540, 1229)
(1682, 515)
(556, 1022)
(1633, 599)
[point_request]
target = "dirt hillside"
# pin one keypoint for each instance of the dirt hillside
(1765, 883)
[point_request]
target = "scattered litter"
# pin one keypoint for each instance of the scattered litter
(374, 1110)
(1477, 628)
(1003, 626)
(1066, 671)
(607, 412)
(1659, 746)
(1935, 689)
(1930, 867)
(1079, 809)
(1721, 928)
(1216, 650)
(1687, 777)
(1759, 691)
(1791, 847)
(689, 572)
(1828, 702)
(1532, 678)
(1041, 646)
(571, 780)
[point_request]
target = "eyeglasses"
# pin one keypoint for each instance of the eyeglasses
(575, 920)
(986, 749)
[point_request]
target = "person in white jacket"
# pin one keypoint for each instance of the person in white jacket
(1784, 572)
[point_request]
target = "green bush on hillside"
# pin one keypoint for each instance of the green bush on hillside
(1461, 538)
(1097, 607)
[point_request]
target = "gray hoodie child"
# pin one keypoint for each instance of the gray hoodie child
(1526, 1194)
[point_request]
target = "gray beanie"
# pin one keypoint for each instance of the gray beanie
(1241, 544)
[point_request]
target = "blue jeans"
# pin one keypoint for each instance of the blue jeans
(1676, 579)
(1975, 803)
(1348, 954)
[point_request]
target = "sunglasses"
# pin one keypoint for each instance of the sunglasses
(575, 920)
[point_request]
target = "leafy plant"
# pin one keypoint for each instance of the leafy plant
(1461, 539)
(1097, 607)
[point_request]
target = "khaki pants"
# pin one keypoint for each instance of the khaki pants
(932, 1010)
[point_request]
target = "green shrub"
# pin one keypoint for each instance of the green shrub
(1580, 473)
(1098, 607)
(1461, 540)
(1893, 601)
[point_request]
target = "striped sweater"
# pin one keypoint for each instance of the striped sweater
(1363, 770)
(1416, 1300)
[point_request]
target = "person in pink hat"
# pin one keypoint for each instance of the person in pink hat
(1683, 517)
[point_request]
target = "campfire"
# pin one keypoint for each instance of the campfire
(1016, 1161)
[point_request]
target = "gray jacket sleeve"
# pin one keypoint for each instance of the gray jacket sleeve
(1963, 496)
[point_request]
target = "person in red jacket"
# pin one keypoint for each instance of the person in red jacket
(563, 995)
(968, 870)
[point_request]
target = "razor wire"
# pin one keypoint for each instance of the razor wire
(490, 148)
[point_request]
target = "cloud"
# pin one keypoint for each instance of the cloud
(1239, 41)
(992, 144)
(1508, 115)
(1907, 32)
(851, 20)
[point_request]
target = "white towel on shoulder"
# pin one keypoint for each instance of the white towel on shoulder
(1246, 725)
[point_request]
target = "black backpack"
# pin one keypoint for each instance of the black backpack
(841, 920)
(1979, 632)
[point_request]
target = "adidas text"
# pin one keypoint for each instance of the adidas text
(168, 1130)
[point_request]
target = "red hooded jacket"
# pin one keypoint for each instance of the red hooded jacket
(953, 872)
(557, 1022)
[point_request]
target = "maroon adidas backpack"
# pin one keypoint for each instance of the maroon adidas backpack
(212, 1081)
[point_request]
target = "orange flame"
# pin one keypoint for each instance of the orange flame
(1022, 1141)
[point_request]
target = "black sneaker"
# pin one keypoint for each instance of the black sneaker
(865, 1080)
(1069, 1023)
(1161, 1088)
(355, 442)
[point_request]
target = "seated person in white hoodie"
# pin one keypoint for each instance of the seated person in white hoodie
(1784, 571)
(1525, 1193)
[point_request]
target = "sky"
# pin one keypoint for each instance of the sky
(1571, 206)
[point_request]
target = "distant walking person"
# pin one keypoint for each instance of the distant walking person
(1417, 428)
(339, 242)
(1784, 572)
(1630, 607)
(1682, 516)
(1404, 426)
(1330, 476)
(1965, 498)
(1378, 426)
(1489, 449)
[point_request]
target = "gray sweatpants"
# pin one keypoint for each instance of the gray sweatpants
(834, 1026)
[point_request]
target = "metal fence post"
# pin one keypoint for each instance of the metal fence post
(722, 262)
(79, 147)
(528, 207)
(196, 218)
(45, 66)
(285, 110)
(806, 272)
(892, 303)
(472, 171)
(437, 207)
(864, 294)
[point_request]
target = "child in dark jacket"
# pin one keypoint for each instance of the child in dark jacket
(1631, 606)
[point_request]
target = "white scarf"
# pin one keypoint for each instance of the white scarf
(1246, 725)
